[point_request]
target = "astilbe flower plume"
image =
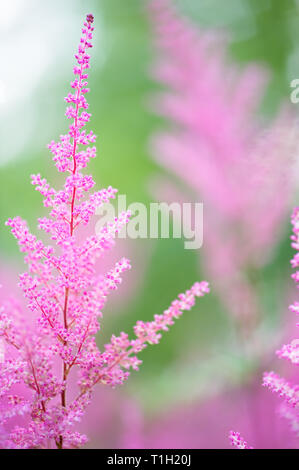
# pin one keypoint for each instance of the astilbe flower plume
(66, 297)
(215, 145)
(287, 391)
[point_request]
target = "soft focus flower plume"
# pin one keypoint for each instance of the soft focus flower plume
(55, 345)
(217, 146)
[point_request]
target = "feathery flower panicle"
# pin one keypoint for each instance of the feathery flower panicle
(289, 392)
(238, 441)
(215, 146)
(67, 296)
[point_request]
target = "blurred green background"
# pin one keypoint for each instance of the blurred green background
(38, 40)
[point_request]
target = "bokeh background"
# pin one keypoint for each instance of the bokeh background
(199, 382)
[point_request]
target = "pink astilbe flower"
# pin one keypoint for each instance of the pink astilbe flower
(205, 423)
(238, 441)
(289, 392)
(285, 390)
(215, 146)
(67, 297)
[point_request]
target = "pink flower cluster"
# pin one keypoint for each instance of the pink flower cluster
(67, 297)
(238, 441)
(289, 392)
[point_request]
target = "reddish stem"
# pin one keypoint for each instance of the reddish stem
(73, 198)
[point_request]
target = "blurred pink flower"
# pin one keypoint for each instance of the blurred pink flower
(206, 424)
(241, 170)
(238, 441)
